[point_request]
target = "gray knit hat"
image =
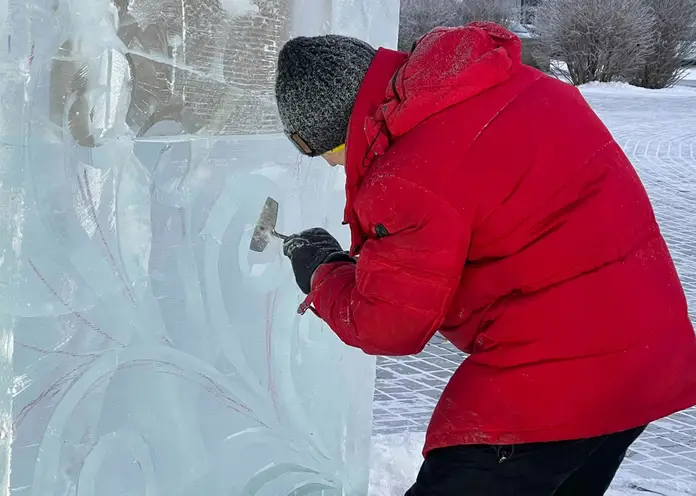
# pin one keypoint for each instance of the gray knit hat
(316, 85)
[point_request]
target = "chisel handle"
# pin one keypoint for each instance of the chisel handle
(279, 236)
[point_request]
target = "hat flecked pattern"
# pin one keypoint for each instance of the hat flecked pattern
(317, 81)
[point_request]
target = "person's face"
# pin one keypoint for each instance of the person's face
(335, 157)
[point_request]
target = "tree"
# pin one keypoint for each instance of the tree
(420, 16)
(598, 40)
(674, 29)
(497, 11)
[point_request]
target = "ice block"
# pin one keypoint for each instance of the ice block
(144, 350)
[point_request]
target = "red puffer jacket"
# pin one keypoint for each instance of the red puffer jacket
(487, 201)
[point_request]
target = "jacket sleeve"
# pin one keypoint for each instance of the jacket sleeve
(397, 295)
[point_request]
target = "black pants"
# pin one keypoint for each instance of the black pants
(567, 468)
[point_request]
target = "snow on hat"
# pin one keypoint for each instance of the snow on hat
(316, 85)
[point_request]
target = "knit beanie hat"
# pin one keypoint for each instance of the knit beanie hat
(316, 85)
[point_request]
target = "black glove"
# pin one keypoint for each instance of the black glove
(308, 250)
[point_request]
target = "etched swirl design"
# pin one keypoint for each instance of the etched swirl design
(154, 353)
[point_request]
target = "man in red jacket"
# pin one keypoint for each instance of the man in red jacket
(488, 202)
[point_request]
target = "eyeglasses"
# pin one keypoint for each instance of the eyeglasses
(305, 149)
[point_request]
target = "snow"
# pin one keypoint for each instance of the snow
(690, 74)
(625, 89)
(560, 70)
(396, 458)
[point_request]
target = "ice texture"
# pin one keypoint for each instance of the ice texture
(144, 350)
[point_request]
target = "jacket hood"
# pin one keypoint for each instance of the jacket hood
(448, 66)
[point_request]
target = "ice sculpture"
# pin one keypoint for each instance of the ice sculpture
(154, 354)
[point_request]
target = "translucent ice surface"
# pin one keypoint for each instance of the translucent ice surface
(144, 350)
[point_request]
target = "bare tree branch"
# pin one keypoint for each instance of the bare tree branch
(674, 27)
(496, 11)
(420, 16)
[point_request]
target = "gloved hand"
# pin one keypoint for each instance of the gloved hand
(308, 250)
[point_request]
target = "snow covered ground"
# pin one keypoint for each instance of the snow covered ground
(396, 459)
(689, 78)
(658, 131)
